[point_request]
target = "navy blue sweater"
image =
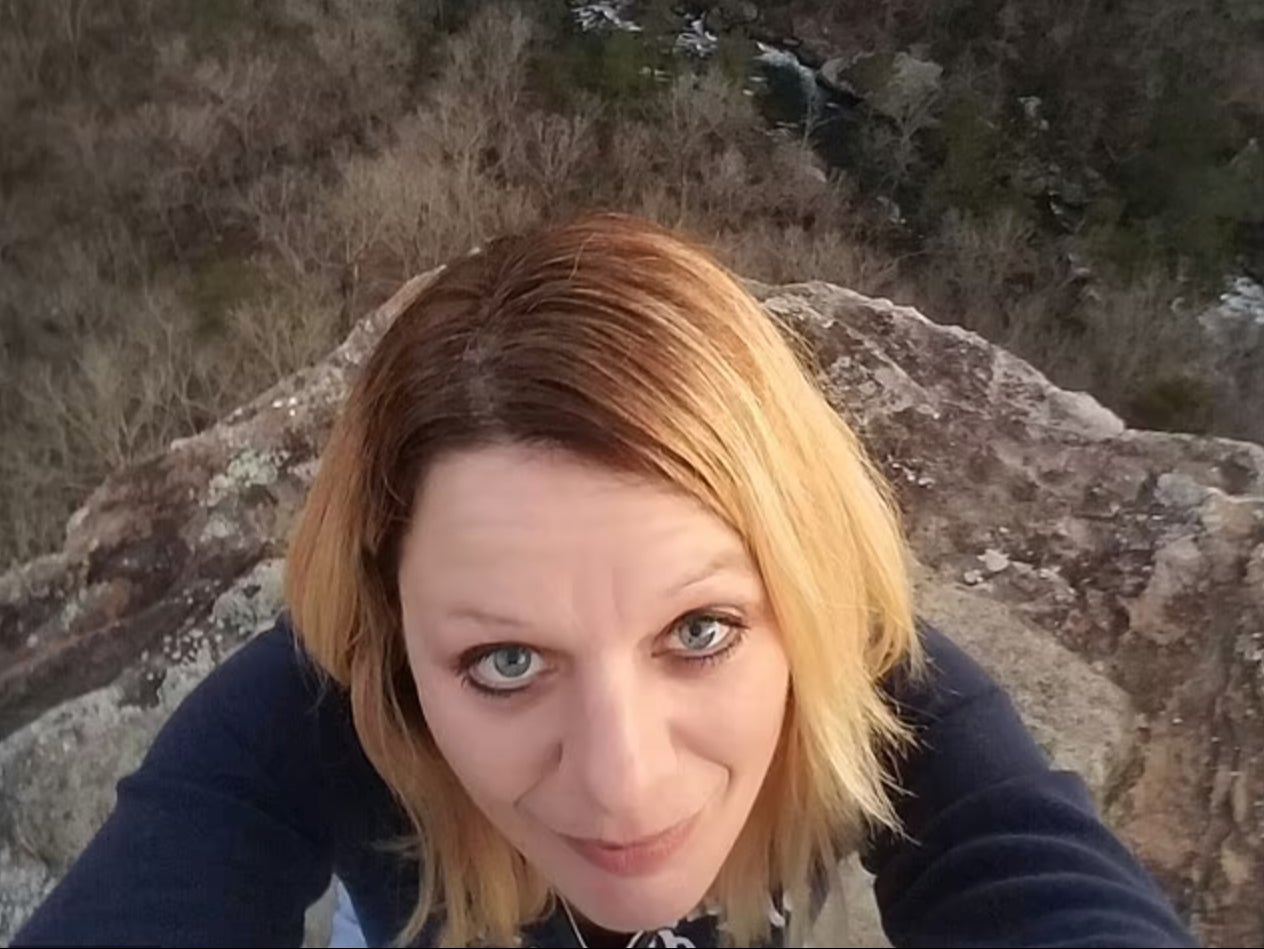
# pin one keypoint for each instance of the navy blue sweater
(256, 790)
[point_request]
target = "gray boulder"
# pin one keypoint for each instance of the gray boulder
(1113, 579)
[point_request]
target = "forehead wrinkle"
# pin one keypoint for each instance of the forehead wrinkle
(579, 547)
(610, 596)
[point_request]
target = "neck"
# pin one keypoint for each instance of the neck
(594, 936)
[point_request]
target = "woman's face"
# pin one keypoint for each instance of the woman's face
(595, 660)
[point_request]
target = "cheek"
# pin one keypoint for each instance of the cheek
(488, 748)
(739, 722)
(765, 687)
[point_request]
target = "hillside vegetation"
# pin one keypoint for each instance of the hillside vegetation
(200, 196)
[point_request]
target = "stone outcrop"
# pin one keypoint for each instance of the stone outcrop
(1113, 579)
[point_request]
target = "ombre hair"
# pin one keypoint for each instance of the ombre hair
(628, 345)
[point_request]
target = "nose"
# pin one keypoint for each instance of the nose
(619, 749)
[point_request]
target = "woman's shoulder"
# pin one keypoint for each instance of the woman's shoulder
(270, 709)
(948, 680)
(996, 844)
(275, 657)
(228, 830)
(967, 734)
(266, 714)
(268, 689)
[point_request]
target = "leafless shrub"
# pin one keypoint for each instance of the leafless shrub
(790, 254)
(321, 171)
(973, 268)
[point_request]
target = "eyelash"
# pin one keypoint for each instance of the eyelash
(470, 660)
(737, 635)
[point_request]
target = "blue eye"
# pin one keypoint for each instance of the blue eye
(505, 669)
(706, 635)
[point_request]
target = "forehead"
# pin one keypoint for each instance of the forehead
(511, 513)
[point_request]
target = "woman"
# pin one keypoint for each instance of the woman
(606, 640)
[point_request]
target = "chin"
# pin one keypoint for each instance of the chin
(657, 893)
(633, 906)
(631, 903)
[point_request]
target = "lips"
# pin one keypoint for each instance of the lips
(638, 857)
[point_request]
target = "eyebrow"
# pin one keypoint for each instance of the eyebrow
(728, 560)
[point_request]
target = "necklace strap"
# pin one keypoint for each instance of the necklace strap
(579, 936)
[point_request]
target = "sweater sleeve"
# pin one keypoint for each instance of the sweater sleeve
(219, 837)
(998, 848)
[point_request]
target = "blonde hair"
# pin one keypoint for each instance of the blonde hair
(624, 343)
